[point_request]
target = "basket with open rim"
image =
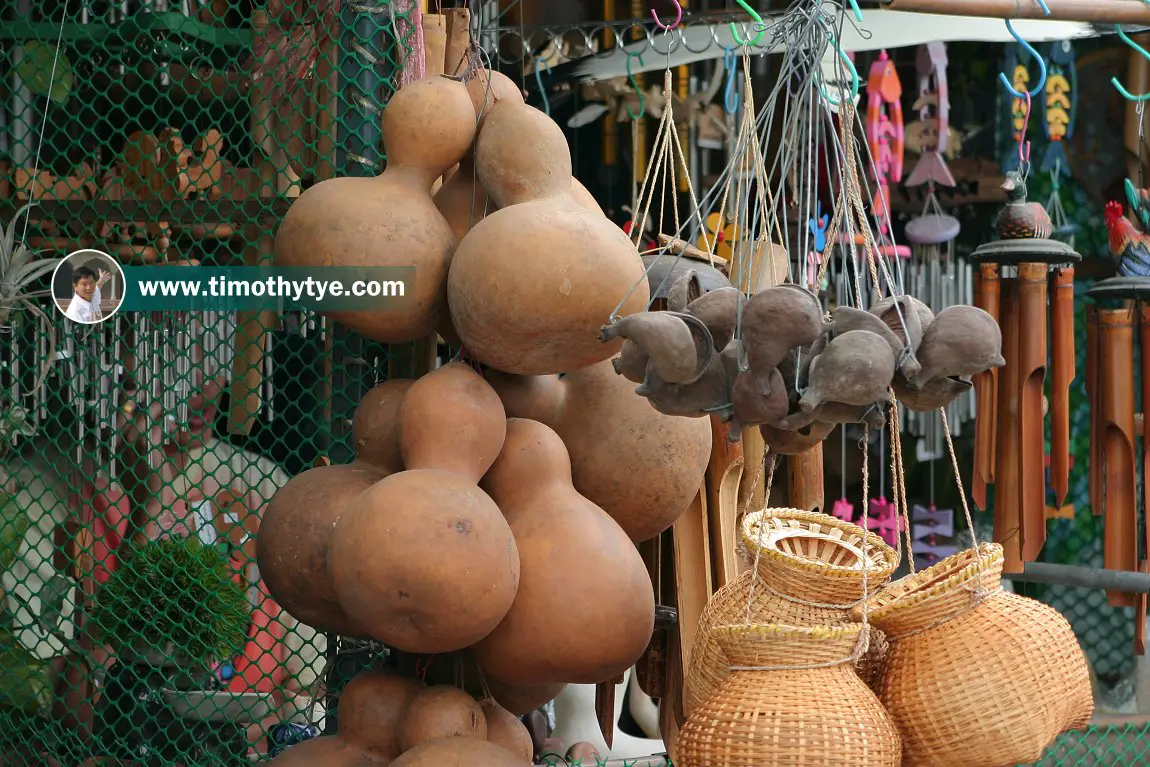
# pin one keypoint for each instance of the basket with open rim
(810, 568)
(772, 710)
(966, 657)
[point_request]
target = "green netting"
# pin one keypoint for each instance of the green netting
(147, 136)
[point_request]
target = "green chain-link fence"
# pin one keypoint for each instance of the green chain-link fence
(142, 130)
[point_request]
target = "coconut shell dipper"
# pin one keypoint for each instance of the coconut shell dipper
(775, 321)
(795, 442)
(678, 347)
(719, 311)
(855, 369)
(710, 395)
(934, 394)
(962, 341)
(752, 408)
(846, 318)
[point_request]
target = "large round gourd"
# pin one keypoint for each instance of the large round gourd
(440, 712)
(328, 751)
(531, 482)
(505, 730)
(390, 220)
(293, 545)
(532, 283)
(424, 560)
(375, 428)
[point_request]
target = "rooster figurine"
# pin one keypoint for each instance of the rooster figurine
(1128, 246)
(1020, 219)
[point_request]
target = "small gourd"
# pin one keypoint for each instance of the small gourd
(846, 318)
(374, 428)
(371, 710)
(709, 395)
(795, 442)
(720, 311)
(531, 482)
(750, 407)
(935, 393)
(459, 752)
(531, 284)
(390, 220)
(906, 316)
(423, 560)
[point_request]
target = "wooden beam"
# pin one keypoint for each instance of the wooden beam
(1096, 11)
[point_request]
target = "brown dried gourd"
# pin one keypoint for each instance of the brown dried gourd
(505, 730)
(441, 711)
(328, 751)
(374, 432)
(906, 316)
(856, 368)
(371, 710)
(459, 752)
(640, 466)
(720, 311)
(293, 545)
(531, 284)
(390, 220)
(678, 347)
(775, 321)
(710, 395)
(962, 341)
(531, 482)
(935, 393)
(797, 441)
(752, 408)
(424, 561)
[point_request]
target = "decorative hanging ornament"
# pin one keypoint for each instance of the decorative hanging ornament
(932, 531)
(885, 134)
(1018, 109)
(1060, 105)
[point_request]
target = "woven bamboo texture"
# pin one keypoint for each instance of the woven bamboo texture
(785, 716)
(804, 555)
(977, 678)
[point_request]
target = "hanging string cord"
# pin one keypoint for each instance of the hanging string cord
(760, 537)
(898, 471)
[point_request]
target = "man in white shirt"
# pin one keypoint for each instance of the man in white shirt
(86, 299)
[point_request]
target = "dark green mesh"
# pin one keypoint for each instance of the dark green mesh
(155, 140)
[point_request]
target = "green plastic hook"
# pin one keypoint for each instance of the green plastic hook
(754, 17)
(1114, 80)
(850, 68)
(638, 92)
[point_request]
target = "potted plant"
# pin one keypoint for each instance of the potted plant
(173, 602)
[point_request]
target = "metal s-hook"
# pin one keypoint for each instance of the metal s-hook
(754, 17)
(634, 85)
(730, 93)
(1037, 57)
(678, 18)
(1114, 80)
(850, 68)
(539, 65)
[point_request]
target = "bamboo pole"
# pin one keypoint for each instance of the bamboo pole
(1097, 11)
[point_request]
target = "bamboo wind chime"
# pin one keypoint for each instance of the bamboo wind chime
(1026, 281)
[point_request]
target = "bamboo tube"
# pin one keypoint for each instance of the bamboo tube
(725, 476)
(1097, 11)
(1116, 430)
(986, 392)
(435, 42)
(1061, 376)
(1032, 309)
(458, 40)
(1007, 500)
(1145, 342)
(1094, 402)
(805, 479)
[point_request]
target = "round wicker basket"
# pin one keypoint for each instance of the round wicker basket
(976, 675)
(810, 572)
(791, 700)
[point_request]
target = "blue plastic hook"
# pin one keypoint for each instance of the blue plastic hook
(754, 17)
(678, 18)
(1114, 80)
(859, 17)
(1037, 57)
(638, 91)
(850, 68)
(539, 65)
(731, 93)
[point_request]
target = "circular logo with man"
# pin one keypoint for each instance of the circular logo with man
(88, 286)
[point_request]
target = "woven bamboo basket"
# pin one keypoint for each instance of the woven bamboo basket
(977, 677)
(810, 574)
(791, 699)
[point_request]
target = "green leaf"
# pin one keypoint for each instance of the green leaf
(25, 682)
(13, 527)
(35, 70)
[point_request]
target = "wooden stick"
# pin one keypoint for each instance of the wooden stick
(1100, 11)
(458, 40)
(435, 42)
(805, 479)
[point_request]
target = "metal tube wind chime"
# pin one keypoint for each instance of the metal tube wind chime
(1026, 281)
(934, 272)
